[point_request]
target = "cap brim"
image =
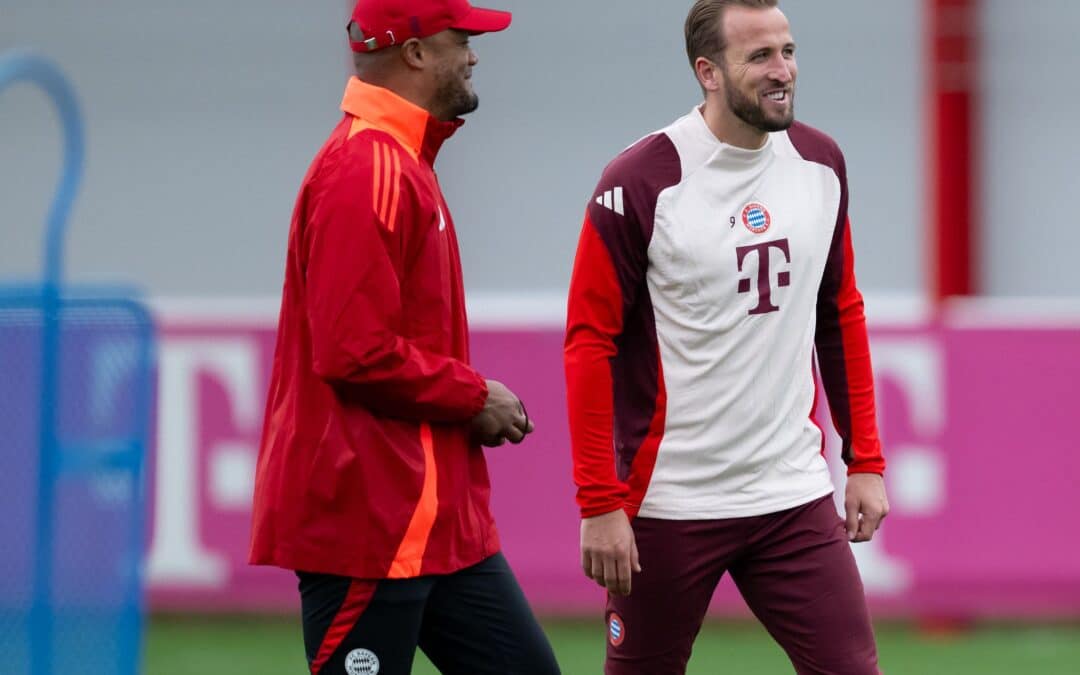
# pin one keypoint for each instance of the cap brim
(481, 20)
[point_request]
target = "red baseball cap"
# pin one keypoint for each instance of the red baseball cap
(381, 23)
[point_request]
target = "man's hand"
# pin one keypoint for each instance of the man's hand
(502, 419)
(865, 505)
(608, 551)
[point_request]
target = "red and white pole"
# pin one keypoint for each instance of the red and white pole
(952, 27)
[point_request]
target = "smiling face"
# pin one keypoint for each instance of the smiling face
(454, 95)
(758, 68)
(744, 59)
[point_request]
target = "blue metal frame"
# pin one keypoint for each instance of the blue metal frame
(28, 67)
(19, 66)
(132, 617)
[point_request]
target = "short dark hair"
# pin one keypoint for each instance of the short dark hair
(704, 26)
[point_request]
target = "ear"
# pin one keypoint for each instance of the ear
(708, 74)
(415, 54)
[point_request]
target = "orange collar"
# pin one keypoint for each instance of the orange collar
(410, 124)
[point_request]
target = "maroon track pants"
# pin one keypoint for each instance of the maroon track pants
(794, 568)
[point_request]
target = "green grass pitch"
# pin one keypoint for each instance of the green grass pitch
(198, 645)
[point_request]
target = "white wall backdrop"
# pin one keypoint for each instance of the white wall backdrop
(203, 115)
(1030, 148)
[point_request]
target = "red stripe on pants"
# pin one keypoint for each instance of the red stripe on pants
(356, 601)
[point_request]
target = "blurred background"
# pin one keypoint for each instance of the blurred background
(958, 128)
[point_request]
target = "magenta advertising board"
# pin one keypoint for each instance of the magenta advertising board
(977, 414)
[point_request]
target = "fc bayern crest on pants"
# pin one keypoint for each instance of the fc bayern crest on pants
(616, 629)
(362, 662)
(756, 217)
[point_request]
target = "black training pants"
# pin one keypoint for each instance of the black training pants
(472, 622)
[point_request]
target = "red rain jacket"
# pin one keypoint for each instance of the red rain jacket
(366, 468)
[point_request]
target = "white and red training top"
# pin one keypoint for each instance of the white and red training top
(706, 276)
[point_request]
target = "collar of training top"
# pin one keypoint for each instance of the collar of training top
(410, 124)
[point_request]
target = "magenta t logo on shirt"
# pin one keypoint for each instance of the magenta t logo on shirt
(764, 280)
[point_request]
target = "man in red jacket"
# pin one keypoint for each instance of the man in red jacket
(371, 482)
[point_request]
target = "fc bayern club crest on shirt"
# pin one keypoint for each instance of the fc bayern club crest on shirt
(616, 630)
(756, 217)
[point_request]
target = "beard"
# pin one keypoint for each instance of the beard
(753, 113)
(454, 95)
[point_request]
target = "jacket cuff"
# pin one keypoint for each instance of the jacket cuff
(873, 465)
(479, 399)
(601, 508)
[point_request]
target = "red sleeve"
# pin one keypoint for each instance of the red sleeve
(354, 251)
(614, 378)
(594, 321)
(843, 351)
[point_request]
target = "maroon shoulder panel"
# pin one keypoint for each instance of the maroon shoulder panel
(640, 173)
(816, 146)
